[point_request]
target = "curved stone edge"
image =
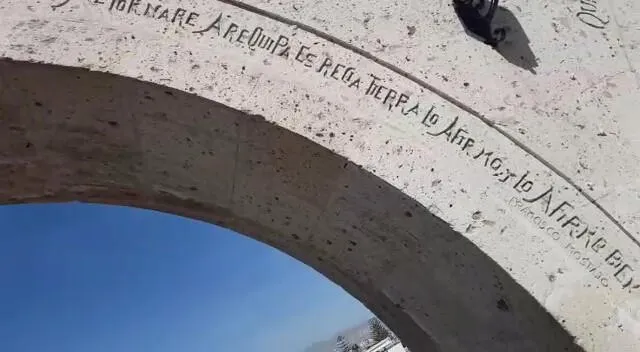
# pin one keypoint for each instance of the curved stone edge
(605, 263)
(92, 136)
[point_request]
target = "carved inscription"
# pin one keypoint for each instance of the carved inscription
(547, 207)
(157, 11)
(590, 248)
(554, 213)
(543, 206)
(591, 15)
(581, 245)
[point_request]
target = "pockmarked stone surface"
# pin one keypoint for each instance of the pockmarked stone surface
(474, 199)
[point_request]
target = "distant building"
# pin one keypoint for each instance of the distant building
(398, 347)
(387, 345)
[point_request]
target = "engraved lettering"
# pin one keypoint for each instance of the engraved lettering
(599, 244)
(468, 144)
(391, 95)
(429, 119)
(178, 15)
(336, 69)
(133, 6)
(413, 110)
(592, 20)
(402, 100)
(325, 66)
(266, 43)
(496, 164)
(119, 5)
(64, 2)
(348, 74)
(164, 15)
(590, 6)
(306, 58)
(524, 185)
(584, 244)
(559, 207)
(505, 175)
(214, 25)
(545, 194)
(373, 85)
(230, 30)
(615, 258)
(588, 14)
(243, 33)
(155, 9)
(282, 42)
(256, 37)
(446, 130)
(380, 90)
(191, 18)
(623, 275)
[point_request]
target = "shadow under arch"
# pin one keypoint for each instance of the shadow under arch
(72, 134)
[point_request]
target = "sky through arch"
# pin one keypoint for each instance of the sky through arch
(82, 277)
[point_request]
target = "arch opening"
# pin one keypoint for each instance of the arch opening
(77, 135)
(78, 276)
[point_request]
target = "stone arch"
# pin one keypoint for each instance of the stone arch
(374, 176)
(74, 134)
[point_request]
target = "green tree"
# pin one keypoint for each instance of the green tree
(377, 330)
(355, 348)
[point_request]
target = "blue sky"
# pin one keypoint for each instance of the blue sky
(78, 278)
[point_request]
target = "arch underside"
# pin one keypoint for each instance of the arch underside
(77, 135)
(474, 199)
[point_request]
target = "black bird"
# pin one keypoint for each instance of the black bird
(477, 15)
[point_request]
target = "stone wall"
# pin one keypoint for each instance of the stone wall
(476, 199)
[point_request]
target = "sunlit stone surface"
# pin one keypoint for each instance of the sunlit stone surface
(476, 199)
